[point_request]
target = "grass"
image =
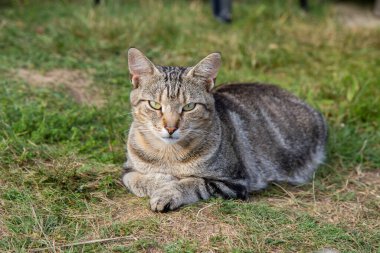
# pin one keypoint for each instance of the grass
(60, 160)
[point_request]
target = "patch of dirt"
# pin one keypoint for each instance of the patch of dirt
(370, 178)
(131, 208)
(355, 16)
(201, 224)
(327, 209)
(366, 185)
(364, 189)
(77, 83)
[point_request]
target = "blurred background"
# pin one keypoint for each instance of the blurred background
(64, 117)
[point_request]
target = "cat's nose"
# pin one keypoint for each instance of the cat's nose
(171, 130)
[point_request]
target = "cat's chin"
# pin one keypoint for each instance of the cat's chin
(169, 140)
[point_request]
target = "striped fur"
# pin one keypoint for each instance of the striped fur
(237, 139)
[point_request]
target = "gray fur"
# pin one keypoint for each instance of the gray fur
(238, 139)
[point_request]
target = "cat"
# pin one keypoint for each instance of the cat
(190, 141)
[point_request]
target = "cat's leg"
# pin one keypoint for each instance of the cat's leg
(190, 190)
(145, 184)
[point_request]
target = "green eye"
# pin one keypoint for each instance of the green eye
(155, 105)
(189, 107)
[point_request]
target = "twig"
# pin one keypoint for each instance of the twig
(86, 242)
(203, 208)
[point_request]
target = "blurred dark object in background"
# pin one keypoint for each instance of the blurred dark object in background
(222, 10)
(304, 4)
(377, 8)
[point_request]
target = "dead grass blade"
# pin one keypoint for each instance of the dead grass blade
(51, 245)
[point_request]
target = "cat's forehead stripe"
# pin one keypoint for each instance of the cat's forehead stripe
(173, 77)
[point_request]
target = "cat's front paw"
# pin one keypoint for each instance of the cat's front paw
(133, 182)
(166, 200)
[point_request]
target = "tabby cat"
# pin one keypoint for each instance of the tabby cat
(189, 141)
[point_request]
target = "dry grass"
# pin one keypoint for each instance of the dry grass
(201, 223)
(361, 209)
(3, 227)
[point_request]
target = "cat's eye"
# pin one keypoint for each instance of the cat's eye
(188, 107)
(155, 105)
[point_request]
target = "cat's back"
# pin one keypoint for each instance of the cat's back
(272, 130)
(266, 104)
(252, 95)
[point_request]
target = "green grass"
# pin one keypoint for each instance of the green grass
(60, 160)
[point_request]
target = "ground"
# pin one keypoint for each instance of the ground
(65, 113)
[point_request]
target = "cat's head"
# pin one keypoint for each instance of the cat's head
(172, 104)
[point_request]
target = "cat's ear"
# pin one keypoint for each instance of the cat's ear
(207, 68)
(139, 65)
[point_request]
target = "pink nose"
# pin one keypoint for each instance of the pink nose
(171, 130)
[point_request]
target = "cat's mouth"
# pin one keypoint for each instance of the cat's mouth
(170, 139)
